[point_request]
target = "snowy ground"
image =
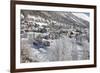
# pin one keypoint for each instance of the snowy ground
(62, 49)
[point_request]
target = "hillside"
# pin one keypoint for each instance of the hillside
(54, 36)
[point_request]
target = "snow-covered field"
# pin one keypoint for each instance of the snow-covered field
(54, 36)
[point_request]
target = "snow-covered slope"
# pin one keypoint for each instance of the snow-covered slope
(82, 15)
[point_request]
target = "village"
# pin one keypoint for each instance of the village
(45, 40)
